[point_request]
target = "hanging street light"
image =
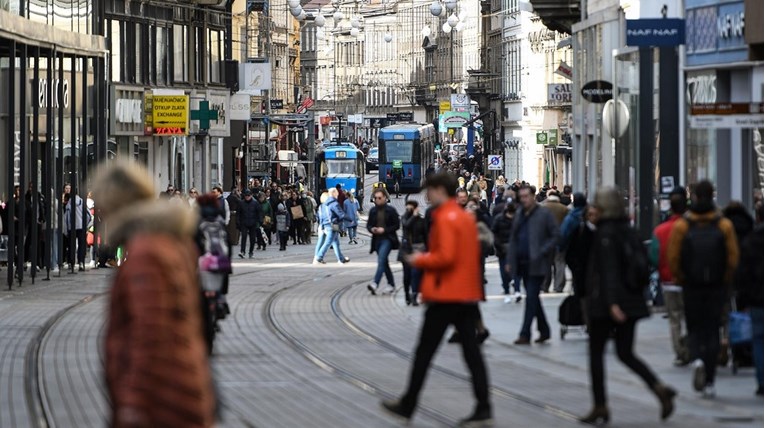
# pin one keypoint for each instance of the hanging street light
(426, 31)
(436, 8)
(319, 21)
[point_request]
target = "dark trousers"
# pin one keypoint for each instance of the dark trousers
(624, 339)
(412, 278)
(503, 273)
(283, 240)
(252, 232)
(533, 307)
(438, 317)
(703, 309)
(79, 238)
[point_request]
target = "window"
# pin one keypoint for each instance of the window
(160, 56)
(400, 150)
(214, 55)
(180, 71)
(338, 166)
(115, 40)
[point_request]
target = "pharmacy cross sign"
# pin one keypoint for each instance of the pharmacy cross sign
(204, 115)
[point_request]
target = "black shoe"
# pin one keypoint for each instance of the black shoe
(522, 341)
(395, 408)
(758, 392)
(81, 268)
(666, 396)
(482, 336)
(241, 255)
(542, 339)
(479, 419)
(598, 416)
(251, 255)
(408, 298)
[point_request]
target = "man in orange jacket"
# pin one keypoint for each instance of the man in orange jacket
(451, 288)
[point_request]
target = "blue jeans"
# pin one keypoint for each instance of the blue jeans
(757, 342)
(383, 250)
(533, 308)
(319, 242)
(352, 232)
(331, 239)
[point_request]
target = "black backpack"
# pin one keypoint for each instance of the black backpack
(704, 255)
(637, 267)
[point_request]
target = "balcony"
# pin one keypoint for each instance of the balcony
(557, 15)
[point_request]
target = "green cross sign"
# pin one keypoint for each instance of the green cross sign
(204, 115)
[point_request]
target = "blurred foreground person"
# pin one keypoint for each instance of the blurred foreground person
(617, 274)
(451, 289)
(157, 371)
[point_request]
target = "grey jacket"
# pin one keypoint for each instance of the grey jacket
(543, 235)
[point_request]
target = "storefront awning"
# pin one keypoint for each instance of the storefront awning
(22, 30)
(557, 15)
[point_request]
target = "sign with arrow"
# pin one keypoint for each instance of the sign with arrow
(170, 114)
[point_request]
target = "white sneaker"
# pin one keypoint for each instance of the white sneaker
(372, 287)
(709, 392)
(389, 289)
(508, 299)
(54, 270)
(518, 297)
(92, 264)
(318, 261)
(699, 375)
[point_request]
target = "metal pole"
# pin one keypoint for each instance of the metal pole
(50, 194)
(23, 146)
(72, 165)
(35, 162)
(85, 131)
(11, 138)
(60, 160)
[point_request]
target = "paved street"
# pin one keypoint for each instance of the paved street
(308, 346)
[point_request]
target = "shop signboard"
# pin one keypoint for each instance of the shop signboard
(170, 114)
(127, 116)
(542, 137)
(597, 91)
(460, 102)
(220, 126)
(559, 93)
(444, 106)
(655, 32)
(240, 107)
(727, 115)
(255, 77)
(715, 33)
(455, 119)
(277, 104)
(405, 116)
(552, 137)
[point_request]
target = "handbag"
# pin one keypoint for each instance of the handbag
(739, 326)
(267, 220)
(297, 212)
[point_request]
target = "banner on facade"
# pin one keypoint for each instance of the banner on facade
(565, 70)
(255, 77)
(170, 114)
(552, 137)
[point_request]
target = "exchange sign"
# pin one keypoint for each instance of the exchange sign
(171, 114)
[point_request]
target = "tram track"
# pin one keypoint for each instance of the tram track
(408, 356)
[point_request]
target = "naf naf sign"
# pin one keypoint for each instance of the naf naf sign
(655, 32)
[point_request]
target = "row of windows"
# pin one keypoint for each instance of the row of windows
(68, 15)
(159, 55)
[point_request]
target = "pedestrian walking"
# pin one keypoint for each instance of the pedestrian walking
(451, 289)
(382, 223)
(750, 290)
(615, 302)
(249, 218)
(233, 199)
(532, 245)
(501, 226)
(414, 238)
(578, 251)
(268, 218)
(76, 227)
(557, 276)
(331, 223)
(282, 226)
(155, 299)
(351, 219)
(673, 293)
(703, 255)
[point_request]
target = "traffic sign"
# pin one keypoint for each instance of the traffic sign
(170, 114)
(495, 163)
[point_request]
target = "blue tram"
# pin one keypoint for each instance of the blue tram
(405, 153)
(343, 164)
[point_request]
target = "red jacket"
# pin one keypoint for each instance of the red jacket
(661, 237)
(452, 270)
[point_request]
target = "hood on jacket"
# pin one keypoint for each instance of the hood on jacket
(152, 217)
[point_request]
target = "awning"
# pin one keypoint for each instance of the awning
(22, 30)
(558, 15)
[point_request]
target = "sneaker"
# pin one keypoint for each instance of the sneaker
(518, 297)
(699, 375)
(708, 392)
(479, 419)
(508, 299)
(389, 289)
(55, 270)
(92, 264)
(251, 255)
(345, 260)
(317, 261)
(241, 255)
(372, 287)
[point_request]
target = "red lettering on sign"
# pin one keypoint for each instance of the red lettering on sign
(169, 130)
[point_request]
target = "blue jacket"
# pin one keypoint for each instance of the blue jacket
(330, 213)
(351, 218)
(569, 225)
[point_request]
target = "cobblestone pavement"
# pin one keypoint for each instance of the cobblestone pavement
(307, 346)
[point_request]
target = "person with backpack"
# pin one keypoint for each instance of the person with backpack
(703, 255)
(673, 294)
(617, 274)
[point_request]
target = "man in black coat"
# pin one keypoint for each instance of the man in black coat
(249, 217)
(383, 222)
(414, 239)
